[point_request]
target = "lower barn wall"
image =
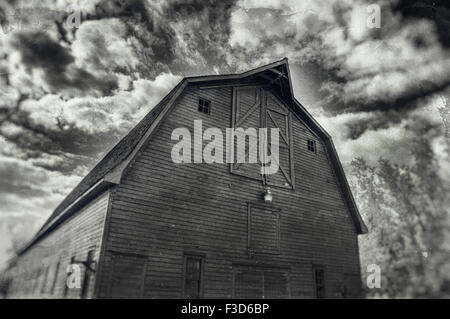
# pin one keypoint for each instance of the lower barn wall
(162, 212)
(41, 272)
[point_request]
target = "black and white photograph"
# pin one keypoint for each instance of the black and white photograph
(224, 149)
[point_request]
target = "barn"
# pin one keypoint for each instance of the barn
(141, 225)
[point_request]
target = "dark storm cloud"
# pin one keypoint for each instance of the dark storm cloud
(193, 36)
(209, 37)
(387, 112)
(437, 11)
(180, 36)
(40, 51)
(408, 100)
(389, 108)
(79, 147)
(136, 9)
(380, 120)
(156, 39)
(19, 180)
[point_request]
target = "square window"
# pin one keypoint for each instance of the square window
(204, 106)
(312, 146)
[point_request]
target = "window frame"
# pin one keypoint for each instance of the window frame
(201, 108)
(312, 149)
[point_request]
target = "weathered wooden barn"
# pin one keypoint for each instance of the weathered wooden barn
(141, 226)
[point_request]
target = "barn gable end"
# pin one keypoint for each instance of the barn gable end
(165, 213)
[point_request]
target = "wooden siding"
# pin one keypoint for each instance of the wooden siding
(162, 211)
(41, 271)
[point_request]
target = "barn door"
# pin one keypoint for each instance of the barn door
(192, 277)
(277, 116)
(252, 282)
(247, 116)
(248, 283)
(254, 108)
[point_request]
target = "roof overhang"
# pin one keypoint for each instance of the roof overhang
(91, 193)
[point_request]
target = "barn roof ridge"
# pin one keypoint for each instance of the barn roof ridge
(109, 169)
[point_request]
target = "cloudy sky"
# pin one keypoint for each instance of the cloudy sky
(69, 91)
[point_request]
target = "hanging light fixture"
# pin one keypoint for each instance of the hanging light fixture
(268, 196)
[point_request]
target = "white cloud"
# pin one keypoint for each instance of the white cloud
(101, 46)
(383, 67)
(392, 141)
(103, 114)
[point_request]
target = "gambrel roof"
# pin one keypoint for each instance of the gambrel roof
(110, 169)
